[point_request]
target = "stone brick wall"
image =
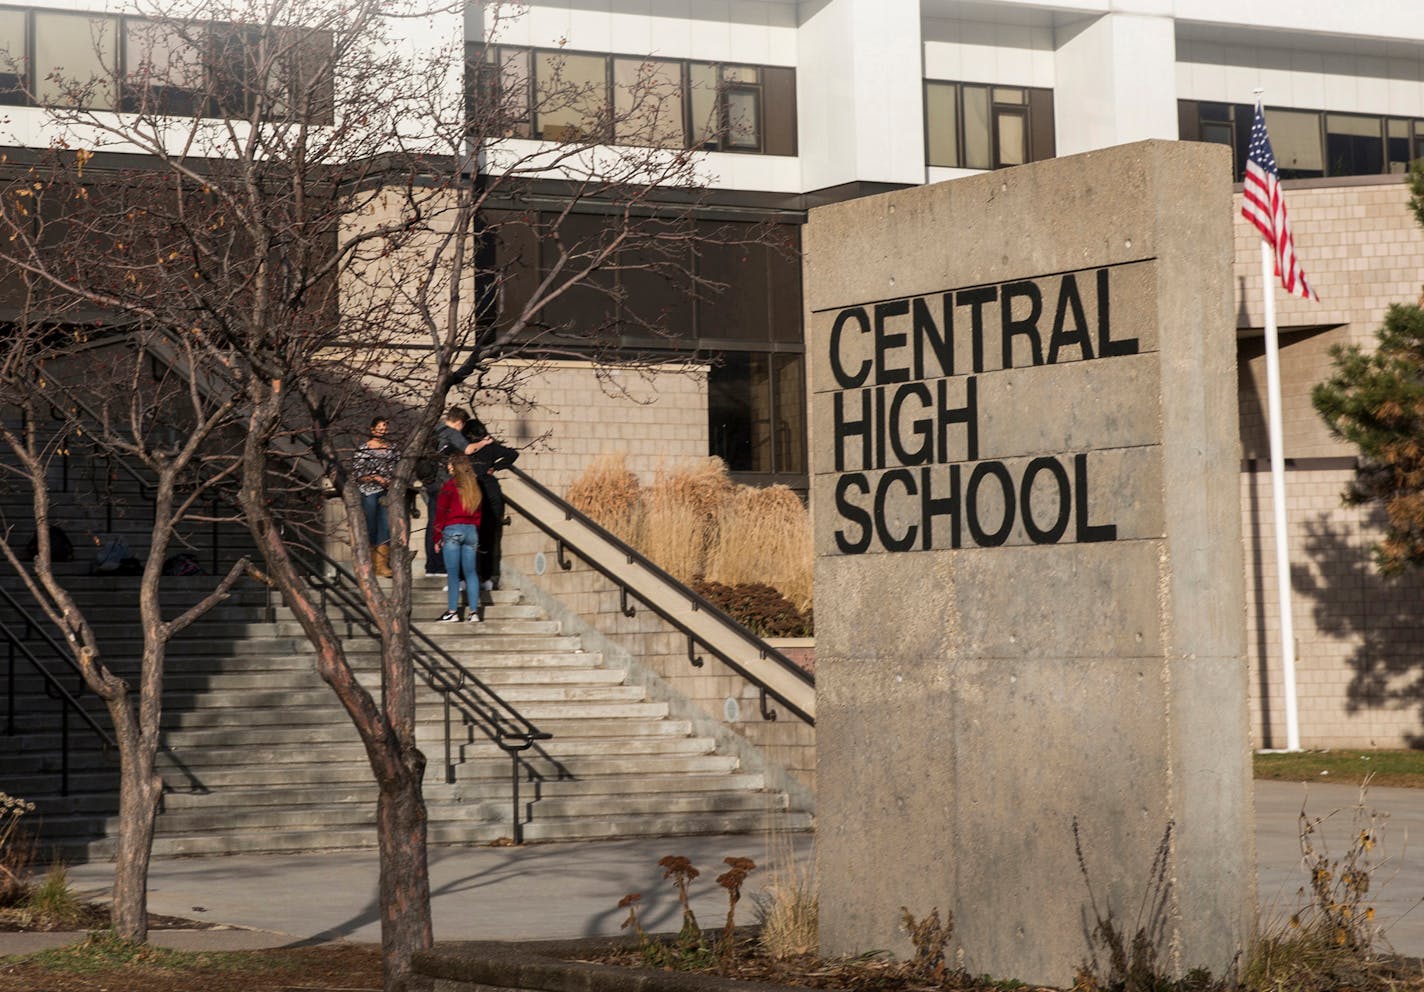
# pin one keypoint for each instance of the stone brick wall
(719, 695)
(571, 412)
(1359, 636)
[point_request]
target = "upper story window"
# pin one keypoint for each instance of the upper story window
(1309, 144)
(555, 95)
(975, 126)
(94, 61)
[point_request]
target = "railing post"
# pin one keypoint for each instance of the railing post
(514, 791)
(10, 694)
(63, 749)
(449, 763)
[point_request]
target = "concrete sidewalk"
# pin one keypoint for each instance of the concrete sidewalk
(571, 890)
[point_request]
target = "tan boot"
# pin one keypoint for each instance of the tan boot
(381, 560)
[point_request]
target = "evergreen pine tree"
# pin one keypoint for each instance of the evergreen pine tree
(1375, 401)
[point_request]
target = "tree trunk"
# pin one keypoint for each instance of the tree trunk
(140, 789)
(405, 879)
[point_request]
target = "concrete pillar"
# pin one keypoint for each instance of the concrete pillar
(1029, 627)
(860, 93)
(1115, 81)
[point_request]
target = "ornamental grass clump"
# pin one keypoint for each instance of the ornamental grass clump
(609, 492)
(700, 527)
(680, 513)
(764, 536)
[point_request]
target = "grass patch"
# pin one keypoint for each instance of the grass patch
(102, 951)
(1394, 768)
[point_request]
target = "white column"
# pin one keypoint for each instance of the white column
(1115, 81)
(860, 93)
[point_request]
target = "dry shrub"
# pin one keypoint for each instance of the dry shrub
(1332, 940)
(764, 536)
(680, 513)
(757, 607)
(17, 849)
(609, 492)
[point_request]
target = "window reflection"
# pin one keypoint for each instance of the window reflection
(1353, 145)
(1295, 140)
(164, 63)
(647, 103)
(12, 56)
(75, 59)
(971, 126)
(571, 96)
(1309, 143)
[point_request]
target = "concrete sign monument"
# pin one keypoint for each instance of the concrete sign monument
(1029, 579)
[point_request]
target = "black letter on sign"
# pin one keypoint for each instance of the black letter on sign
(882, 525)
(922, 428)
(925, 330)
(1068, 297)
(1088, 533)
(1026, 326)
(976, 298)
(885, 342)
(846, 429)
(1108, 348)
(856, 515)
(843, 378)
(982, 538)
(968, 415)
(932, 506)
(1054, 533)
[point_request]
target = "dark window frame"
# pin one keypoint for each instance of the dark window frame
(206, 106)
(1191, 120)
(1037, 102)
(478, 56)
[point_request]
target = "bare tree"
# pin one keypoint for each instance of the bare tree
(67, 389)
(338, 213)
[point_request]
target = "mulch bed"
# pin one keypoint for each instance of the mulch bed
(861, 974)
(331, 967)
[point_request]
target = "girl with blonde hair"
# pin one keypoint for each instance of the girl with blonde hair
(457, 537)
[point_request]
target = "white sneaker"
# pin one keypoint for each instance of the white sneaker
(474, 617)
(449, 616)
(446, 587)
(487, 585)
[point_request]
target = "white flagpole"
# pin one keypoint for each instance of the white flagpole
(1278, 497)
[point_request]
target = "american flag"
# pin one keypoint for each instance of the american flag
(1265, 207)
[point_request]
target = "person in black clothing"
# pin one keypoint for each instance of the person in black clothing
(489, 457)
(448, 439)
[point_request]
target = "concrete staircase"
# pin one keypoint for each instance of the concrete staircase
(261, 758)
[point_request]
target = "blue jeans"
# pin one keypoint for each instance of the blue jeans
(378, 525)
(460, 544)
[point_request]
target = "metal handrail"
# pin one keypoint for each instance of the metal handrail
(31, 624)
(480, 706)
(55, 690)
(696, 601)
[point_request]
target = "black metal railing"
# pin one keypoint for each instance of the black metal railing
(17, 648)
(461, 691)
(695, 601)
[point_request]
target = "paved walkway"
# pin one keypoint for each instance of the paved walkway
(569, 890)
